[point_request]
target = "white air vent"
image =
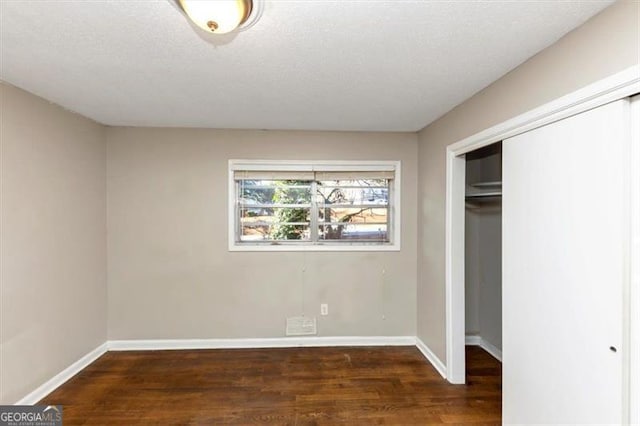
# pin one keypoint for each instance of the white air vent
(301, 326)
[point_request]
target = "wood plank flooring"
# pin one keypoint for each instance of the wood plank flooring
(299, 386)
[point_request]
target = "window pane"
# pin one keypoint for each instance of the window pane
(353, 232)
(370, 191)
(254, 192)
(352, 214)
(282, 232)
(292, 192)
(274, 224)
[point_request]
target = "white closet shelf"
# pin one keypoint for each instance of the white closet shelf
(481, 190)
(495, 184)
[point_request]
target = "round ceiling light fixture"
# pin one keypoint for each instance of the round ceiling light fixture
(222, 16)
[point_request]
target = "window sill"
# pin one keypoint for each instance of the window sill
(313, 247)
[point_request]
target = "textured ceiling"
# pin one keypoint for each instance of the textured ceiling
(316, 65)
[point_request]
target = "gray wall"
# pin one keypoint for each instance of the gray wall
(472, 274)
(483, 274)
(53, 290)
(606, 44)
(170, 272)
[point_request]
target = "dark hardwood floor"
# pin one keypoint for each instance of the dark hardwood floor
(301, 386)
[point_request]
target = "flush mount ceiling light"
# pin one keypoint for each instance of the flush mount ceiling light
(222, 16)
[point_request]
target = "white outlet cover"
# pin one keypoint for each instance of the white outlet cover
(324, 309)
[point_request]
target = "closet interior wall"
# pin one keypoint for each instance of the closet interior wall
(483, 235)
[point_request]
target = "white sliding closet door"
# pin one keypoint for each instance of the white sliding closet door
(565, 235)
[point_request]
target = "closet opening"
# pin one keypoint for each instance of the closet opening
(483, 251)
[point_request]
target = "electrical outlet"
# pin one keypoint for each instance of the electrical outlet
(324, 309)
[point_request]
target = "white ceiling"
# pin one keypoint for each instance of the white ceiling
(315, 64)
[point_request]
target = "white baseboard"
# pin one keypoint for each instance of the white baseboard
(177, 344)
(432, 358)
(479, 341)
(472, 340)
(283, 342)
(60, 378)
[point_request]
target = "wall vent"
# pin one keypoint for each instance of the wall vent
(301, 326)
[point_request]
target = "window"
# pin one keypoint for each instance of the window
(306, 205)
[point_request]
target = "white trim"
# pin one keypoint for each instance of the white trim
(432, 358)
(627, 221)
(316, 166)
(231, 208)
(454, 291)
(284, 342)
(474, 340)
(313, 247)
(182, 344)
(612, 88)
(493, 351)
(60, 378)
(313, 165)
(634, 267)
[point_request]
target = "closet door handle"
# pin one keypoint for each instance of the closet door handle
(613, 349)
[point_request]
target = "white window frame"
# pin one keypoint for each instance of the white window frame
(317, 166)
